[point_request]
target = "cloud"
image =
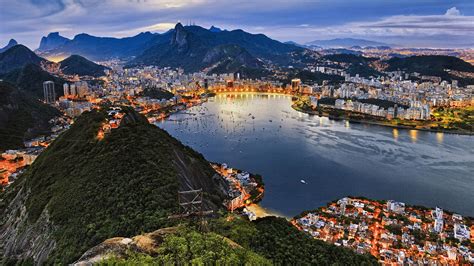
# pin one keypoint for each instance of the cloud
(453, 11)
(298, 20)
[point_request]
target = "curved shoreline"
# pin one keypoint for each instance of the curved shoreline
(454, 132)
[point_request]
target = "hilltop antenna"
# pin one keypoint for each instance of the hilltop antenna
(190, 206)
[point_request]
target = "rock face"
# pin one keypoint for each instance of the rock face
(120, 246)
(52, 41)
(99, 48)
(82, 190)
(179, 37)
(19, 238)
(194, 48)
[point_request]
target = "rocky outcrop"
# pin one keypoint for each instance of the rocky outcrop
(10, 44)
(22, 239)
(122, 246)
(52, 41)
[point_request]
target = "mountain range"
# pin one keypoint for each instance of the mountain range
(97, 48)
(191, 47)
(344, 43)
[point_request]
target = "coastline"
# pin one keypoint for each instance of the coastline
(454, 132)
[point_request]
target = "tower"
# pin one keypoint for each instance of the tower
(66, 90)
(49, 93)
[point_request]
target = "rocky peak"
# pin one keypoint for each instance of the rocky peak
(52, 41)
(179, 36)
(10, 44)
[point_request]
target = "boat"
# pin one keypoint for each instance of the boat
(303, 181)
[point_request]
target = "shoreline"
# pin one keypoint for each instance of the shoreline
(358, 121)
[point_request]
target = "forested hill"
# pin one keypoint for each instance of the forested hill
(22, 116)
(82, 190)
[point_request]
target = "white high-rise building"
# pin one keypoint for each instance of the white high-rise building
(48, 91)
(66, 89)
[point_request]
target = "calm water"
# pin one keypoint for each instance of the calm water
(263, 134)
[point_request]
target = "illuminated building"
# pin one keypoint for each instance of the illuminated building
(49, 93)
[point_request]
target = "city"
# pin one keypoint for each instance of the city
(185, 144)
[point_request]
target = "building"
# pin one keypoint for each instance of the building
(66, 90)
(295, 84)
(396, 207)
(48, 91)
(461, 232)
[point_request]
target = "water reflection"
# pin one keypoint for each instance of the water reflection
(335, 158)
(439, 137)
(413, 135)
(395, 134)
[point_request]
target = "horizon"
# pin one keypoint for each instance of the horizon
(430, 24)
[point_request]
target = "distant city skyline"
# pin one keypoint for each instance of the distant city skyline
(427, 23)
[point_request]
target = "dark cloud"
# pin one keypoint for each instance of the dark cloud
(299, 20)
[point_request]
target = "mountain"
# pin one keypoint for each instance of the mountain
(433, 65)
(78, 65)
(345, 43)
(83, 189)
(230, 58)
(191, 47)
(10, 44)
(355, 64)
(100, 48)
(52, 41)
(17, 57)
(30, 79)
(22, 116)
(214, 29)
(297, 44)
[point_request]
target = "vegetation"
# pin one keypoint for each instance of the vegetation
(21, 117)
(276, 239)
(157, 93)
(461, 118)
(195, 248)
(121, 185)
(78, 65)
(30, 79)
(432, 65)
(17, 57)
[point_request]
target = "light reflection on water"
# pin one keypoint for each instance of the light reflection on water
(263, 134)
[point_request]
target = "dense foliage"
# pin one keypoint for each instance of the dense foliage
(21, 116)
(78, 65)
(157, 93)
(30, 79)
(121, 185)
(276, 239)
(192, 247)
(433, 65)
(17, 57)
(190, 48)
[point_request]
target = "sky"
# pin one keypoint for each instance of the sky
(411, 23)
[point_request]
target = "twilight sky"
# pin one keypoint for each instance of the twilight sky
(424, 23)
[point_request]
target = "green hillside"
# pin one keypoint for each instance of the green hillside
(432, 65)
(30, 79)
(91, 190)
(21, 116)
(78, 65)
